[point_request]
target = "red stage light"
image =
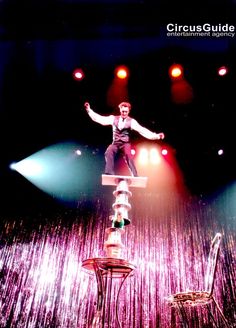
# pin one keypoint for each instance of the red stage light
(122, 72)
(222, 71)
(78, 74)
(176, 71)
(133, 152)
(164, 151)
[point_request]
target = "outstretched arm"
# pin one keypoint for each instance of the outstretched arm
(103, 120)
(145, 132)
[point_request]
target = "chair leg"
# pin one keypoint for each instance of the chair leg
(183, 314)
(212, 316)
(221, 313)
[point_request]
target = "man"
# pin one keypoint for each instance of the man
(121, 126)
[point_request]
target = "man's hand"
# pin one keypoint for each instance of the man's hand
(87, 106)
(160, 136)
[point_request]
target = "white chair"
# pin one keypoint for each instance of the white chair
(181, 300)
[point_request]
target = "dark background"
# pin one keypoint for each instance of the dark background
(42, 42)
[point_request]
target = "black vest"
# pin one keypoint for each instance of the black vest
(123, 134)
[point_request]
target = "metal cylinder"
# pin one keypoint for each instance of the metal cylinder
(122, 205)
(113, 244)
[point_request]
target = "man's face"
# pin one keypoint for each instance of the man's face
(124, 111)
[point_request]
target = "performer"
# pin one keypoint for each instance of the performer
(121, 126)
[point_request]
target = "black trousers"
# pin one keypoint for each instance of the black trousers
(125, 150)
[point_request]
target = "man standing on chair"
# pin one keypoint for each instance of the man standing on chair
(121, 126)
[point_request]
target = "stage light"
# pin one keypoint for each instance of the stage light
(118, 89)
(59, 170)
(78, 74)
(164, 151)
(181, 90)
(133, 151)
(176, 71)
(122, 72)
(154, 156)
(13, 166)
(222, 71)
(220, 152)
(29, 167)
(149, 156)
(78, 152)
(143, 156)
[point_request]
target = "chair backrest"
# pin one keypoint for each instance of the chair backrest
(212, 263)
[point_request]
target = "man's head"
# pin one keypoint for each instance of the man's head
(125, 108)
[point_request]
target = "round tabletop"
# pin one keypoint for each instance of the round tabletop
(112, 267)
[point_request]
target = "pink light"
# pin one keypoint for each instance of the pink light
(222, 71)
(43, 281)
(164, 151)
(133, 151)
(78, 74)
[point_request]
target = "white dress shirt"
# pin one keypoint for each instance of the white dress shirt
(109, 120)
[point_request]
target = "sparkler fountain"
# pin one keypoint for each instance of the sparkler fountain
(113, 265)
